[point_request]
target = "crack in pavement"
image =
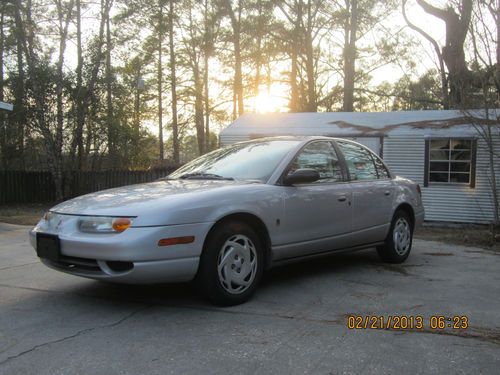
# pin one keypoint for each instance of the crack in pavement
(19, 265)
(77, 334)
(478, 333)
(475, 333)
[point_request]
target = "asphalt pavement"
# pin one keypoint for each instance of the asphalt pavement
(297, 323)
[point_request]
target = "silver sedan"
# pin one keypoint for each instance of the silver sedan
(226, 217)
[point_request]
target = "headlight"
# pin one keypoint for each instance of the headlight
(98, 224)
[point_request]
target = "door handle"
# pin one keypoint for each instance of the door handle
(342, 198)
(387, 192)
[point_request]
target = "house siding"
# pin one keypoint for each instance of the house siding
(405, 155)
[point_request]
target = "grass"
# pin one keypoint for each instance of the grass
(23, 214)
(460, 234)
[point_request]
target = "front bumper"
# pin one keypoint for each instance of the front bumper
(132, 256)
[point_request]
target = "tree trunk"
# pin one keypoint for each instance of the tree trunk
(238, 78)
(497, 73)
(173, 84)
(2, 114)
(109, 99)
(198, 107)
(64, 20)
(19, 114)
(309, 52)
(494, 189)
(457, 26)
(137, 113)
(206, 57)
(350, 31)
(238, 81)
(80, 119)
(207, 103)
(295, 50)
(294, 89)
(160, 79)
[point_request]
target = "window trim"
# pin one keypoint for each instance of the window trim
(473, 161)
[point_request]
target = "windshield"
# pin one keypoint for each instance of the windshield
(246, 161)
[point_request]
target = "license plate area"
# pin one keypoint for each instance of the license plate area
(48, 246)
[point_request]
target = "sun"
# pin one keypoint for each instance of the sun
(270, 99)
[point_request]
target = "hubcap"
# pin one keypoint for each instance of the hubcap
(402, 236)
(237, 264)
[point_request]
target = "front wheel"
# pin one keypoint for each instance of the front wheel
(398, 243)
(231, 265)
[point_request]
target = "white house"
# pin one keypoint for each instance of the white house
(441, 150)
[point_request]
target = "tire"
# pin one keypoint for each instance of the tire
(231, 264)
(398, 243)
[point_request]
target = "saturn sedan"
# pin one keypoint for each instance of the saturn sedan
(226, 217)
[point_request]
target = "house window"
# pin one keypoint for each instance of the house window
(450, 160)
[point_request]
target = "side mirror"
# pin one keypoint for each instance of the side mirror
(301, 176)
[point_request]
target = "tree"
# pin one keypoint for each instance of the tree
(457, 23)
(485, 72)
(306, 20)
(85, 89)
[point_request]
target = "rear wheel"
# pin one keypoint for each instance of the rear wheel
(398, 243)
(231, 265)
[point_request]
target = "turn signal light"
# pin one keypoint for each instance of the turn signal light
(176, 241)
(121, 224)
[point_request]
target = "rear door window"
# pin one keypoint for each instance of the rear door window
(359, 162)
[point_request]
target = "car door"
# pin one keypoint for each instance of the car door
(372, 193)
(317, 215)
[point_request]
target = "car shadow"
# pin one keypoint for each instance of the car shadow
(185, 294)
(319, 267)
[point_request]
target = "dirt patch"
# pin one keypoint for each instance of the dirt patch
(464, 235)
(23, 214)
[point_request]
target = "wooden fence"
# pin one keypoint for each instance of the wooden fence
(21, 187)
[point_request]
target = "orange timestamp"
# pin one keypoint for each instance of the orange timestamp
(407, 322)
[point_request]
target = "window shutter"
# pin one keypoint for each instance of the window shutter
(473, 164)
(426, 163)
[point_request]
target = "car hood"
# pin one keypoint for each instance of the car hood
(134, 200)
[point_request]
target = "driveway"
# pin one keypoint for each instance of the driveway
(52, 323)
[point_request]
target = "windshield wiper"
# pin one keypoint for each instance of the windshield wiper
(204, 176)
